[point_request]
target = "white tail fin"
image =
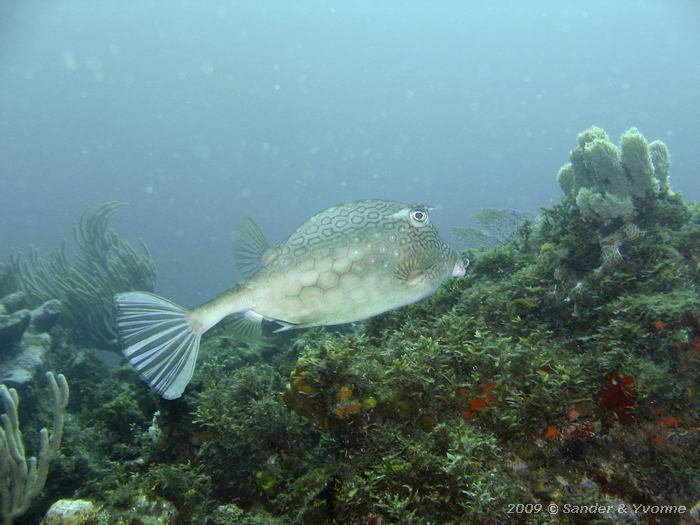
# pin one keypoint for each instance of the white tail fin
(157, 340)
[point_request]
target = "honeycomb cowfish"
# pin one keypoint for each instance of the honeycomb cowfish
(347, 263)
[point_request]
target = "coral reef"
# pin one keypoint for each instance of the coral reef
(23, 478)
(107, 264)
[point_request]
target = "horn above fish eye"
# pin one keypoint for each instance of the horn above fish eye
(418, 217)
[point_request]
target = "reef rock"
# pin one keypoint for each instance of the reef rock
(47, 315)
(12, 327)
(13, 302)
(21, 367)
(71, 512)
(23, 339)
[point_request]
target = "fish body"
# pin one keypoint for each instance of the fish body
(346, 263)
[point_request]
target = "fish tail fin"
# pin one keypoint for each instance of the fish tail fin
(158, 340)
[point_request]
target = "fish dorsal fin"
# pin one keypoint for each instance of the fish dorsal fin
(411, 270)
(251, 250)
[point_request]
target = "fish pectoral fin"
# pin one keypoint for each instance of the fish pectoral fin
(405, 273)
(410, 271)
(247, 325)
(251, 251)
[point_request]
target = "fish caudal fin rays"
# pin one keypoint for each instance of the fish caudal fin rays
(248, 325)
(251, 250)
(157, 340)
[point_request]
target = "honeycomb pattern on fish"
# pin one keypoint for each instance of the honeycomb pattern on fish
(342, 263)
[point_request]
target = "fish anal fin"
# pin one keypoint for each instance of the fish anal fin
(251, 251)
(248, 325)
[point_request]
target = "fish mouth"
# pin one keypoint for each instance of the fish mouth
(460, 268)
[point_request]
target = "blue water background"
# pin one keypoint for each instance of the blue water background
(198, 113)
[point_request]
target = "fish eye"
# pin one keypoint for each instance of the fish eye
(419, 216)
